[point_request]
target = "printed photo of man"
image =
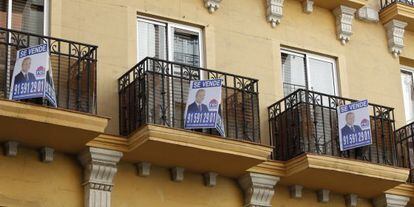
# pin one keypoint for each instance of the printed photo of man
(25, 75)
(197, 105)
(350, 127)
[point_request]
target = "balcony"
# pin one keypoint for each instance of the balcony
(304, 131)
(332, 4)
(402, 10)
(405, 148)
(152, 101)
(74, 122)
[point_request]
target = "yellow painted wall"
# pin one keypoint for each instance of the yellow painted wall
(309, 199)
(158, 190)
(27, 182)
(238, 40)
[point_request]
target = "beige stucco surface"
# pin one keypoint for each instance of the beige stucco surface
(27, 182)
(237, 40)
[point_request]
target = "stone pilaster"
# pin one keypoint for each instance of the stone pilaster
(212, 5)
(389, 200)
(274, 12)
(344, 17)
(99, 171)
(395, 35)
(258, 189)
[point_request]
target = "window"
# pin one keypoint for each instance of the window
(407, 81)
(169, 41)
(24, 15)
(308, 71)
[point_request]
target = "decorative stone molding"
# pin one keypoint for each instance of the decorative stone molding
(395, 34)
(99, 171)
(323, 195)
(210, 179)
(389, 200)
(177, 174)
(274, 12)
(212, 5)
(46, 154)
(351, 200)
(368, 14)
(344, 17)
(307, 6)
(296, 191)
(10, 148)
(144, 169)
(258, 189)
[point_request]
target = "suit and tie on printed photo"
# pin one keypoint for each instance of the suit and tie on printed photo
(197, 106)
(25, 76)
(350, 127)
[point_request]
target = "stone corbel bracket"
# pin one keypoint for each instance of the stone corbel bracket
(344, 17)
(368, 14)
(212, 5)
(274, 12)
(258, 189)
(395, 35)
(307, 6)
(388, 200)
(100, 167)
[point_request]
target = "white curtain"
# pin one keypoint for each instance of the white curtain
(151, 40)
(408, 92)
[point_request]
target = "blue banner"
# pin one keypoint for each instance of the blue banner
(32, 75)
(204, 105)
(354, 125)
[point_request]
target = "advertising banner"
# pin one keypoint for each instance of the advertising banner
(203, 109)
(354, 125)
(32, 75)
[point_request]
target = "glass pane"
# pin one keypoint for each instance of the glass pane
(408, 94)
(186, 48)
(3, 13)
(151, 40)
(293, 69)
(322, 77)
(28, 16)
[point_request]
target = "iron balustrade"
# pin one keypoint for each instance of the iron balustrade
(306, 122)
(73, 67)
(405, 148)
(155, 91)
(386, 3)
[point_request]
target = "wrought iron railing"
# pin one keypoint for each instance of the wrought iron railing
(386, 3)
(306, 122)
(405, 148)
(155, 91)
(73, 66)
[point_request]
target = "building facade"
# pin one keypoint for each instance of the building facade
(122, 69)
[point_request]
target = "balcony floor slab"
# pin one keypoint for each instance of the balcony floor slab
(197, 152)
(339, 175)
(38, 126)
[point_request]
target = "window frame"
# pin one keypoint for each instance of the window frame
(308, 77)
(46, 16)
(170, 26)
(410, 70)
